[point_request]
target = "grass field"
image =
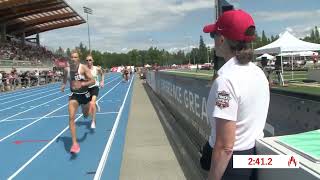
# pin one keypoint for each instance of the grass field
(301, 89)
(293, 76)
(194, 74)
(207, 74)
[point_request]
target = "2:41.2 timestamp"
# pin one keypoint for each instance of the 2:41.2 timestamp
(260, 161)
(265, 161)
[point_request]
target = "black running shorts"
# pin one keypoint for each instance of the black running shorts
(94, 91)
(81, 98)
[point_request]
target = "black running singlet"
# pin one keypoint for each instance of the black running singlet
(76, 76)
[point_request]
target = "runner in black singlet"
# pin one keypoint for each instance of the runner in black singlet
(80, 79)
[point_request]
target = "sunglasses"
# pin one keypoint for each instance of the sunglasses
(89, 60)
(212, 35)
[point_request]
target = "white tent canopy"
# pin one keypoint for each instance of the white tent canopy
(287, 43)
(268, 56)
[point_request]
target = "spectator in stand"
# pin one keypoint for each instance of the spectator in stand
(36, 55)
(13, 78)
(36, 74)
(1, 82)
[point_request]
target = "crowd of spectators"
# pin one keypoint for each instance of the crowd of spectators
(14, 79)
(13, 52)
(30, 53)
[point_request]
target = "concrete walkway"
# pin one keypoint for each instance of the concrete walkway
(147, 151)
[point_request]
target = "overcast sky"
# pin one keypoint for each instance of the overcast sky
(122, 25)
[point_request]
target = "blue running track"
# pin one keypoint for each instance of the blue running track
(35, 139)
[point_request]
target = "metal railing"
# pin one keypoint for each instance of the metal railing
(7, 84)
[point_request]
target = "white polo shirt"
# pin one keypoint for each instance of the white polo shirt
(241, 94)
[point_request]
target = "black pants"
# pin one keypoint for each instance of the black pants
(230, 173)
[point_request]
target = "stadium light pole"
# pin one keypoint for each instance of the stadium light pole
(208, 53)
(88, 11)
(217, 8)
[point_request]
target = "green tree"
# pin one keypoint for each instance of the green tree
(166, 56)
(257, 42)
(264, 39)
(133, 57)
(312, 36)
(316, 34)
(98, 58)
(162, 57)
(68, 53)
(210, 58)
(273, 38)
(60, 51)
(84, 52)
(194, 55)
(203, 52)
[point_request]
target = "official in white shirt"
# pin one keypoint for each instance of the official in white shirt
(238, 101)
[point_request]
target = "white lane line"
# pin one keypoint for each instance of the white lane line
(106, 151)
(23, 94)
(3, 109)
(49, 117)
(37, 119)
(37, 94)
(15, 132)
(22, 119)
(26, 90)
(47, 145)
(34, 89)
(33, 107)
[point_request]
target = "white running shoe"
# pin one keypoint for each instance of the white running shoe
(97, 106)
(93, 125)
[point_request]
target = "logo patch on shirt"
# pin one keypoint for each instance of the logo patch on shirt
(223, 99)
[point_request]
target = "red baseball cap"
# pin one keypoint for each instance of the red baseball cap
(233, 25)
